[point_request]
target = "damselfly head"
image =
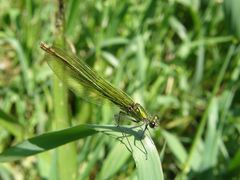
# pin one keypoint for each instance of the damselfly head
(154, 121)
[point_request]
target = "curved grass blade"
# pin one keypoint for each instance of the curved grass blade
(45, 142)
(142, 147)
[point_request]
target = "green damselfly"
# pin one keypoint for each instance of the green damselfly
(78, 70)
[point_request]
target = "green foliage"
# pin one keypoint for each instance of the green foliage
(175, 57)
(231, 9)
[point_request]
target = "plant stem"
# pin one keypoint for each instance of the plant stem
(66, 155)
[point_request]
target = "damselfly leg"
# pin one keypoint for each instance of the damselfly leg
(123, 116)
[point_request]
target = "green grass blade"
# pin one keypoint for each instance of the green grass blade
(66, 155)
(45, 142)
(175, 146)
(232, 13)
(9, 123)
(148, 167)
(92, 160)
(108, 170)
(202, 124)
(234, 165)
(143, 150)
(73, 8)
(23, 63)
(142, 147)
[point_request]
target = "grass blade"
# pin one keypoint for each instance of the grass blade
(202, 124)
(45, 142)
(142, 147)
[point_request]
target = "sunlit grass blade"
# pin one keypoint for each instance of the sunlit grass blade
(45, 142)
(143, 149)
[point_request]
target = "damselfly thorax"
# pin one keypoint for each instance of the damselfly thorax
(136, 111)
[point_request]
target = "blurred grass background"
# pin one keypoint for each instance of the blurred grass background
(179, 58)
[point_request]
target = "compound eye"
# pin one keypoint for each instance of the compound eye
(152, 124)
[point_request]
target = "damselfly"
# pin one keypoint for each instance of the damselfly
(78, 70)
